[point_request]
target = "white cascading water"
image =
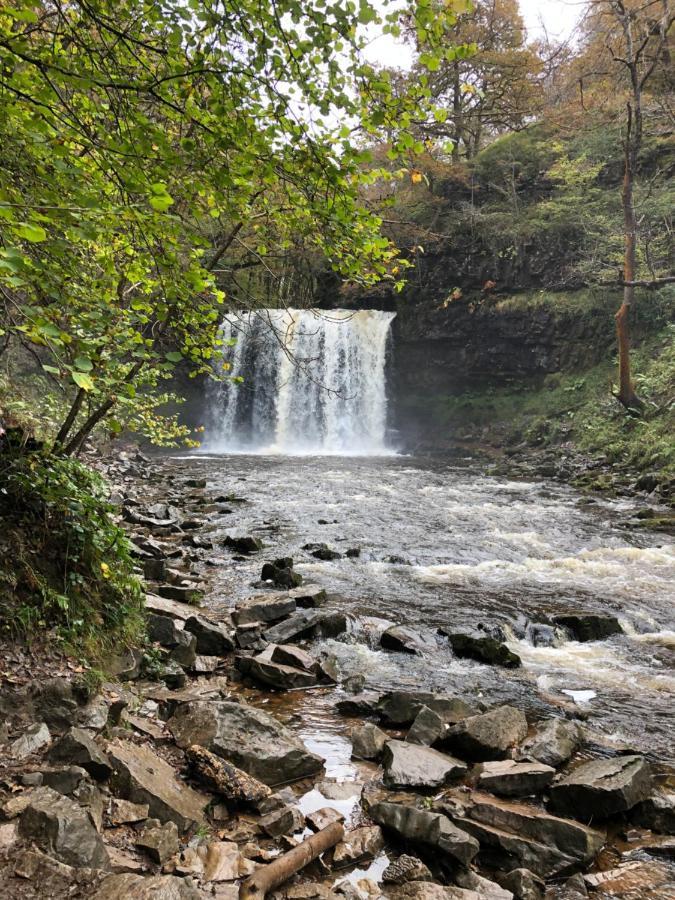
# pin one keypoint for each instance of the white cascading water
(313, 382)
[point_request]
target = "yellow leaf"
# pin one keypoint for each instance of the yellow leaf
(415, 177)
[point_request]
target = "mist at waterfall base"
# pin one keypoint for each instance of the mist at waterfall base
(302, 382)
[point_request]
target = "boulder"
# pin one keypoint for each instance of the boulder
(33, 739)
(482, 648)
(427, 828)
(309, 596)
(404, 639)
(412, 766)
(122, 812)
(427, 728)
(360, 706)
(358, 845)
(402, 707)
(263, 608)
(515, 779)
(553, 742)
(281, 574)
(322, 818)
(284, 678)
(368, 741)
(78, 747)
(589, 626)
(246, 544)
(227, 780)
(299, 625)
(157, 887)
(159, 841)
(602, 787)
(164, 630)
(143, 777)
(656, 812)
(517, 835)
(406, 869)
(181, 593)
(524, 885)
(173, 674)
(487, 736)
(323, 552)
(249, 738)
(287, 820)
(60, 827)
(290, 655)
(213, 638)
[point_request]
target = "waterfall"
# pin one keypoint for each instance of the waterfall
(301, 381)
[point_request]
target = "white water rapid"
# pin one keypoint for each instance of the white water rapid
(304, 382)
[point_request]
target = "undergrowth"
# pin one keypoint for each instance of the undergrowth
(65, 566)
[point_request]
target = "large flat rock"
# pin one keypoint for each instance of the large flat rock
(488, 736)
(402, 707)
(515, 779)
(413, 766)
(249, 738)
(143, 777)
(603, 787)
(424, 827)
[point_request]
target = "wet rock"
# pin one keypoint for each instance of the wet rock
(212, 638)
(122, 812)
(309, 596)
(353, 552)
(406, 640)
(33, 739)
(153, 523)
(517, 835)
(589, 626)
(427, 828)
(282, 821)
(358, 845)
(160, 842)
(246, 545)
(216, 862)
(249, 738)
(264, 609)
(427, 728)
(402, 707)
(322, 818)
(290, 655)
(61, 828)
(284, 678)
(368, 741)
(553, 741)
(299, 625)
(406, 869)
(524, 885)
(189, 593)
(656, 812)
(322, 552)
(515, 779)
(227, 780)
(603, 787)
(354, 683)
(143, 777)
(333, 624)
(329, 669)
(482, 648)
(158, 887)
(77, 747)
(281, 574)
(541, 635)
(412, 766)
(488, 736)
(359, 706)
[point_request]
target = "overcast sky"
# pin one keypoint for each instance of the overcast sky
(558, 17)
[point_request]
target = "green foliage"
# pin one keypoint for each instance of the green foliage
(65, 564)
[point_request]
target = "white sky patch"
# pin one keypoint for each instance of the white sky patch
(557, 17)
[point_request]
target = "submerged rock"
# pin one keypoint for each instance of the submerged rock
(589, 626)
(603, 787)
(488, 736)
(402, 707)
(246, 544)
(428, 828)
(412, 766)
(406, 640)
(249, 738)
(553, 742)
(62, 828)
(482, 648)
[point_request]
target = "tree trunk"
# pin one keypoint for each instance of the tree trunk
(69, 421)
(266, 878)
(627, 394)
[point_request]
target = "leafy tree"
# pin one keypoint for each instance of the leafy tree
(151, 150)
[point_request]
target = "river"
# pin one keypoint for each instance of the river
(442, 543)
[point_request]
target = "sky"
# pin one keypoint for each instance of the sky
(558, 17)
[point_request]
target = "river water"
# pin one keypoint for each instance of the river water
(444, 544)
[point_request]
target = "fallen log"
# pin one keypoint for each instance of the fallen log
(266, 878)
(224, 778)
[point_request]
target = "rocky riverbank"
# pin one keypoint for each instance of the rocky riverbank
(184, 776)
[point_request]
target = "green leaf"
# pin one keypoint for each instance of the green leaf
(82, 380)
(84, 364)
(174, 356)
(33, 233)
(161, 202)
